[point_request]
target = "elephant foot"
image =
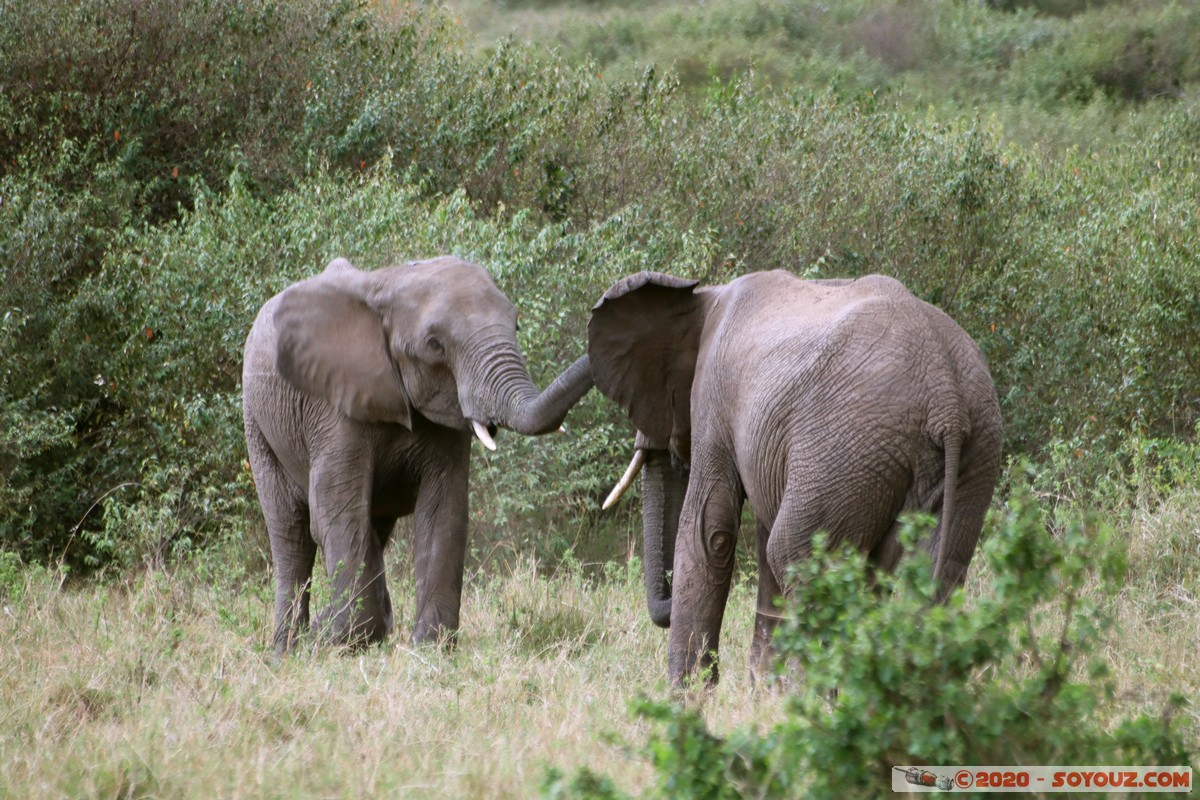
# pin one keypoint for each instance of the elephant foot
(425, 633)
(287, 639)
(291, 627)
(338, 630)
(700, 678)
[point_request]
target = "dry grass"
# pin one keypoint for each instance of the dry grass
(1157, 649)
(163, 686)
(1152, 650)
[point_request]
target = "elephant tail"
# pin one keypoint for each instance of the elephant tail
(952, 448)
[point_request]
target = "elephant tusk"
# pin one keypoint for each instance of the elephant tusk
(483, 435)
(635, 466)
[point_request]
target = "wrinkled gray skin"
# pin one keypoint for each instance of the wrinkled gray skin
(830, 405)
(359, 390)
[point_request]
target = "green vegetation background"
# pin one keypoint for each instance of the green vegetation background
(165, 167)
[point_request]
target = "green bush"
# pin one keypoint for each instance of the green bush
(169, 94)
(881, 676)
(1098, 345)
(153, 420)
(49, 240)
(1059, 8)
(1128, 58)
(127, 294)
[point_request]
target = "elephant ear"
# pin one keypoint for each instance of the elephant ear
(643, 339)
(332, 345)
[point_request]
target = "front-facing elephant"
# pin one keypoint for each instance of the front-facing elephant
(830, 405)
(360, 393)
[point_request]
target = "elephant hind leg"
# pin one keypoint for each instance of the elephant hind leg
(293, 550)
(790, 539)
(768, 613)
(885, 555)
(293, 578)
(867, 525)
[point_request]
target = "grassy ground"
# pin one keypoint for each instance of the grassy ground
(161, 684)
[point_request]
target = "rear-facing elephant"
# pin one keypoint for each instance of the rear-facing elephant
(360, 392)
(830, 405)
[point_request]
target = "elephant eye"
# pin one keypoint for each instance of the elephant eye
(434, 345)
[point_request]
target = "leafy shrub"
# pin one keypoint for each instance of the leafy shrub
(49, 238)
(121, 331)
(168, 93)
(1102, 298)
(1059, 8)
(884, 677)
(153, 422)
(1126, 58)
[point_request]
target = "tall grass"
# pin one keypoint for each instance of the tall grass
(161, 684)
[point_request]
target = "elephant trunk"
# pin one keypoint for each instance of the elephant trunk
(497, 389)
(545, 412)
(663, 488)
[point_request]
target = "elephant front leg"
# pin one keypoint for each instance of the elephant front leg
(439, 552)
(285, 510)
(360, 612)
(293, 553)
(704, 559)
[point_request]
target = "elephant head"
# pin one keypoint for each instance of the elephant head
(435, 338)
(643, 341)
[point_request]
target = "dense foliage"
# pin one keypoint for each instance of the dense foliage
(165, 167)
(1055, 71)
